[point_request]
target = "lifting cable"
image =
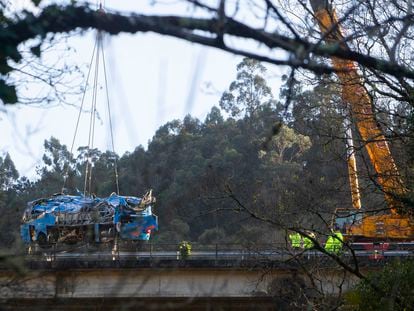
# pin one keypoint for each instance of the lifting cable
(110, 122)
(66, 175)
(91, 135)
(98, 48)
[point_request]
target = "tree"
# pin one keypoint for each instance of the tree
(379, 41)
(56, 157)
(280, 30)
(214, 118)
(395, 283)
(8, 173)
(248, 92)
(10, 203)
(58, 163)
(212, 236)
(286, 146)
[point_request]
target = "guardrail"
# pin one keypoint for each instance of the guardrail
(219, 251)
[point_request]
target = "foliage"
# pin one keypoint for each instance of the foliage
(383, 47)
(248, 92)
(394, 291)
(11, 195)
(192, 165)
(212, 236)
(217, 180)
(8, 173)
(286, 146)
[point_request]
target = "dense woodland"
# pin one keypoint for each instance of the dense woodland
(252, 167)
(257, 164)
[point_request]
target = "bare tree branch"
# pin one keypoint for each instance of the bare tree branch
(56, 19)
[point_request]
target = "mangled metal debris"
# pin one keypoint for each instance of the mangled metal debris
(70, 219)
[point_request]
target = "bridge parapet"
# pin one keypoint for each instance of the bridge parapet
(161, 275)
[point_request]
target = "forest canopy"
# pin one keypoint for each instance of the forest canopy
(196, 167)
(256, 165)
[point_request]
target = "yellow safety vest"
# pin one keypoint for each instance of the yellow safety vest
(295, 240)
(307, 243)
(334, 243)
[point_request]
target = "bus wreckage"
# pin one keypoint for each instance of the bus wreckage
(70, 219)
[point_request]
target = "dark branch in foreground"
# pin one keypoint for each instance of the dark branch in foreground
(206, 31)
(316, 244)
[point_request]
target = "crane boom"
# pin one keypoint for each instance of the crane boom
(360, 105)
(352, 166)
(363, 226)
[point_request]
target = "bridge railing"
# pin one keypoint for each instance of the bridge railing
(159, 250)
(219, 251)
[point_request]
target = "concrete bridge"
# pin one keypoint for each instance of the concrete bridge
(162, 282)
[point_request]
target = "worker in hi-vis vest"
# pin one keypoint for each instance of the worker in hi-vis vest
(334, 242)
(299, 241)
(307, 242)
(295, 240)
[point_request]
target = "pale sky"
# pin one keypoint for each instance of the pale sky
(150, 78)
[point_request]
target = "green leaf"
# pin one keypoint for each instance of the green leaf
(4, 67)
(36, 50)
(7, 93)
(36, 2)
(10, 51)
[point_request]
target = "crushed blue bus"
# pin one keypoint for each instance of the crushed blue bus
(71, 219)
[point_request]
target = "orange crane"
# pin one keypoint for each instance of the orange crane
(395, 224)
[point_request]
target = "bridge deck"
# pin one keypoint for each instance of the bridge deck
(224, 278)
